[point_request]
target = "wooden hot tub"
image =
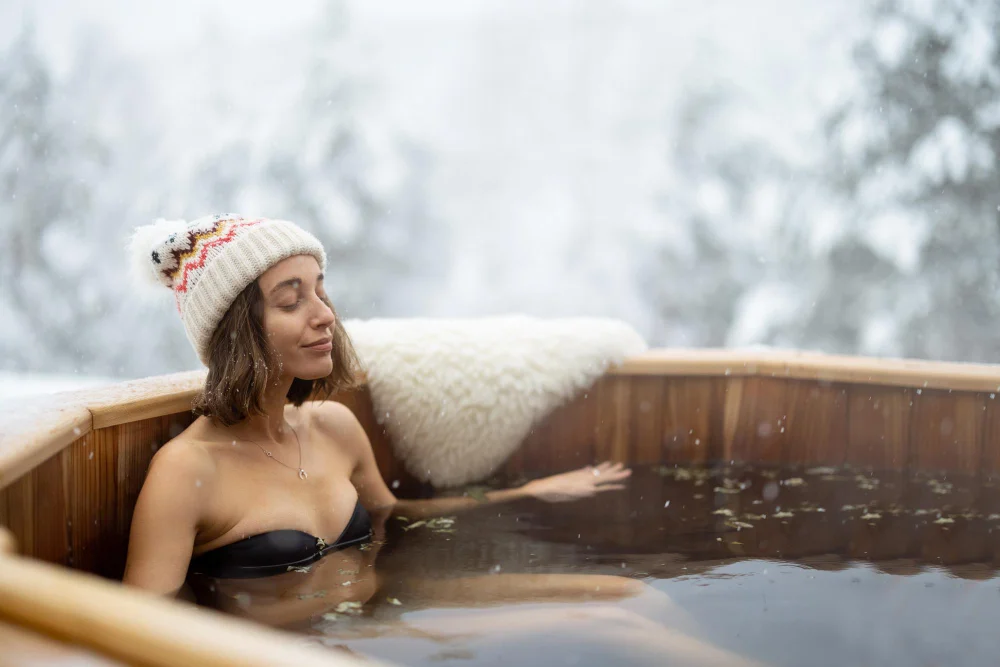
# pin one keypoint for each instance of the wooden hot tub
(71, 467)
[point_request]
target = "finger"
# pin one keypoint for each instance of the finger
(610, 487)
(609, 478)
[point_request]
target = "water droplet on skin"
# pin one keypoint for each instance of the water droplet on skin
(919, 391)
(76, 430)
(395, 483)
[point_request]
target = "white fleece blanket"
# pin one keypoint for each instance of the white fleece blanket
(458, 396)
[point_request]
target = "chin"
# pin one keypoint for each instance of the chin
(314, 371)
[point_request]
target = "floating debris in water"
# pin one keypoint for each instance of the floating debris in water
(782, 515)
(666, 504)
(821, 470)
(754, 517)
(870, 516)
(343, 610)
(415, 525)
(938, 487)
(723, 512)
(739, 524)
(403, 518)
(394, 601)
(944, 520)
(478, 493)
(296, 568)
(722, 489)
(309, 596)
(348, 571)
(793, 481)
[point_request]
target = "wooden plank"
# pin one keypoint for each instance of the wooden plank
(807, 365)
(816, 428)
(27, 440)
(20, 512)
(990, 459)
(8, 544)
(606, 418)
(690, 420)
(22, 648)
(645, 415)
(878, 432)
(759, 434)
(946, 431)
(51, 539)
(138, 628)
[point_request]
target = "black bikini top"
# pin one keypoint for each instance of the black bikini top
(276, 551)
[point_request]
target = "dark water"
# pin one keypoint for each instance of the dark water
(687, 566)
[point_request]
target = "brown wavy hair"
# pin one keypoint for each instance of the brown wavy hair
(241, 363)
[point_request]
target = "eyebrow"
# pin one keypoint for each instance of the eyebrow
(291, 282)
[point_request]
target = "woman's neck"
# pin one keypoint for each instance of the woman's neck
(270, 426)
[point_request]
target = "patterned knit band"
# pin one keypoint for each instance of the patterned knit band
(209, 261)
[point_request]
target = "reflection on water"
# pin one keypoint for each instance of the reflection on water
(784, 566)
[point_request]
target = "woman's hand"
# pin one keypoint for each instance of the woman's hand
(581, 483)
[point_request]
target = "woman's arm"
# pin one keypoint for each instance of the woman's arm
(166, 517)
(338, 422)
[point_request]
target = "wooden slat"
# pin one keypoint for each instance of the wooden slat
(878, 431)
(805, 365)
(990, 459)
(140, 628)
(690, 420)
(946, 431)
(22, 648)
(760, 434)
(816, 428)
(30, 437)
(8, 545)
(645, 420)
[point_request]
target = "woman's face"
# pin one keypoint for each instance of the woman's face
(296, 319)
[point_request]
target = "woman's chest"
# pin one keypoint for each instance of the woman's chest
(256, 494)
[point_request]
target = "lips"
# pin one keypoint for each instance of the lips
(320, 343)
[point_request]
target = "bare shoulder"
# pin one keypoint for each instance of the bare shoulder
(332, 417)
(182, 459)
(335, 420)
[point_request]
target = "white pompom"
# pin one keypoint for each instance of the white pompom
(143, 242)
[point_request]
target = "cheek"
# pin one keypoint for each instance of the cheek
(282, 331)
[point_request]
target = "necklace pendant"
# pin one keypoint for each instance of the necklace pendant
(302, 474)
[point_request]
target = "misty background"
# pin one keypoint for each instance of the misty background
(818, 175)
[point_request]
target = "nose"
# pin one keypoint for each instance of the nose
(323, 315)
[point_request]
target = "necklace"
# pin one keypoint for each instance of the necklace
(302, 473)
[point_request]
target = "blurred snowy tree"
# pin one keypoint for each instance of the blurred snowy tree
(718, 276)
(912, 268)
(48, 304)
(317, 161)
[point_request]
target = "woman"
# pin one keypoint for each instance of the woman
(264, 480)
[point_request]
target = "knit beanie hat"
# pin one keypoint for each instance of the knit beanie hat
(209, 261)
